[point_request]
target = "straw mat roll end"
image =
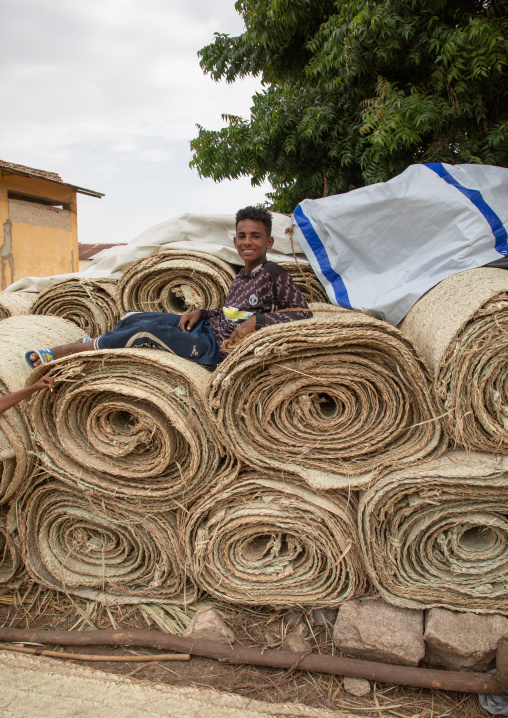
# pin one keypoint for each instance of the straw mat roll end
(436, 535)
(339, 398)
(461, 329)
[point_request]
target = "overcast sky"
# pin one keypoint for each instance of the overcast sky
(107, 93)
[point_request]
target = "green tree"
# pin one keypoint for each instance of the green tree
(355, 91)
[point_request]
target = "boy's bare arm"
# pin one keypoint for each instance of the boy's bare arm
(243, 329)
(188, 320)
(9, 400)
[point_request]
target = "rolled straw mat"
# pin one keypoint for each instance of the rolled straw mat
(11, 565)
(336, 399)
(89, 303)
(17, 335)
(437, 535)
(175, 281)
(260, 540)
(130, 424)
(99, 550)
(13, 303)
(306, 281)
(40, 687)
(460, 327)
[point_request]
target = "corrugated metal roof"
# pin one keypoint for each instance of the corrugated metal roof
(87, 251)
(43, 174)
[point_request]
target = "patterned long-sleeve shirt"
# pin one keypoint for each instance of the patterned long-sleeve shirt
(265, 290)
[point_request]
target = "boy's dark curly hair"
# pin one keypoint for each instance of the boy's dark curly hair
(259, 214)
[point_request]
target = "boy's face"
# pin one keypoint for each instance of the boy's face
(252, 242)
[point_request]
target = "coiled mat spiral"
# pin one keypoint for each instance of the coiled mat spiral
(260, 540)
(99, 550)
(437, 535)
(460, 327)
(175, 281)
(336, 399)
(89, 303)
(130, 424)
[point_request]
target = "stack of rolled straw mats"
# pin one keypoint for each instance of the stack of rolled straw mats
(127, 445)
(89, 303)
(306, 470)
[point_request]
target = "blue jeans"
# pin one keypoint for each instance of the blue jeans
(160, 329)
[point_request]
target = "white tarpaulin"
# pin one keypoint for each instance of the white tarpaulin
(205, 233)
(381, 247)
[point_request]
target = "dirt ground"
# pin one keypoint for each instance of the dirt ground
(38, 608)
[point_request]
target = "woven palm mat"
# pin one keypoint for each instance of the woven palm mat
(99, 551)
(11, 565)
(263, 541)
(460, 328)
(45, 688)
(13, 303)
(130, 424)
(336, 399)
(175, 281)
(436, 535)
(89, 303)
(306, 281)
(17, 335)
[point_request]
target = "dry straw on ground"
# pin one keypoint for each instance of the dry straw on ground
(99, 550)
(460, 328)
(306, 281)
(436, 534)
(14, 303)
(130, 424)
(260, 540)
(175, 281)
(336, 399)
(89, 303)
(17, 335)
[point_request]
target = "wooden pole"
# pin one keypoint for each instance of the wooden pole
(355, 668)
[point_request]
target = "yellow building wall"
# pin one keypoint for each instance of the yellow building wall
(35, 239)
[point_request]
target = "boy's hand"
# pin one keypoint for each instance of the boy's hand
(187, 321)
(242, 330)
(45, 382)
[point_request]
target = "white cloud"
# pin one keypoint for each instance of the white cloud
(108, 93)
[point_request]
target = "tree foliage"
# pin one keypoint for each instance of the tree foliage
(355, 91)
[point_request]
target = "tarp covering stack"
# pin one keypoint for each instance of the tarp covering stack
(460, 327)
(89, 303)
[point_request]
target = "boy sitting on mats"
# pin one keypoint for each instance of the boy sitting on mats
(258, 291)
